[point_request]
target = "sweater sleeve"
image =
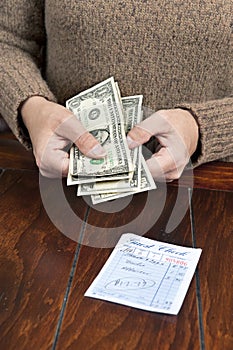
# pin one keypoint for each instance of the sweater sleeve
(22, 40)
(215, 120)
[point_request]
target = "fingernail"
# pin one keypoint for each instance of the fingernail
(97, 151)
(131, 142)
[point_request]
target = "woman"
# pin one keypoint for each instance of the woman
(177, 54)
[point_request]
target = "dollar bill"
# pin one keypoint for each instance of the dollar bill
(77, 179)
(114, 186)
(100, 111)
(132, 109)
(132, 112)
(147, 183)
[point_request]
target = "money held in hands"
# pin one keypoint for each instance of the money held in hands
(108, 117)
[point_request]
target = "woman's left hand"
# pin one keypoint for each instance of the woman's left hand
(177, 133)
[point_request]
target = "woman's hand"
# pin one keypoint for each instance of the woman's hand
(52, 128)
(177, 133)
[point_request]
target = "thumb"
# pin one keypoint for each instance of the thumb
(89, 146)
(72, 129)
(137, 136)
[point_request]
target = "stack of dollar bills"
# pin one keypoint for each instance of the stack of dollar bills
(108, 117)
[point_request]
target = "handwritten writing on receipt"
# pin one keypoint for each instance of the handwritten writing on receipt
(146, 274)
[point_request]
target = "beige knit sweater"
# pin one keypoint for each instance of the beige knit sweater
(176, 53)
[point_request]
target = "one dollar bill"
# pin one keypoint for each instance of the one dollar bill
(100, 111)
(146, 183)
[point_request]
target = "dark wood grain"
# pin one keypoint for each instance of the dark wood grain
(213, 176)
(14, 156)
(35, 264)
(95, 324)
(214, 234)
(106, 222)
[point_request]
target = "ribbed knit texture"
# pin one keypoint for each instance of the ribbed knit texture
(175, 53)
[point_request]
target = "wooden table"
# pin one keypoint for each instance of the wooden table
(44, 273)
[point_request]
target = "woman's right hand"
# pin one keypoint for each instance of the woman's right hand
(52, 128)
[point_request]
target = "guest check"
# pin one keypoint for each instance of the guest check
(146, 274)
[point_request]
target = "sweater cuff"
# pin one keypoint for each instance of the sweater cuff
(21, 131)
(17, 85)
(215, 121)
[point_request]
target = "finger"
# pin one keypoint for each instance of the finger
(72, 129)
(54, 164)
(89, 146)
(163, 166)
(157, 123)
(154, 125)
(137, 136)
